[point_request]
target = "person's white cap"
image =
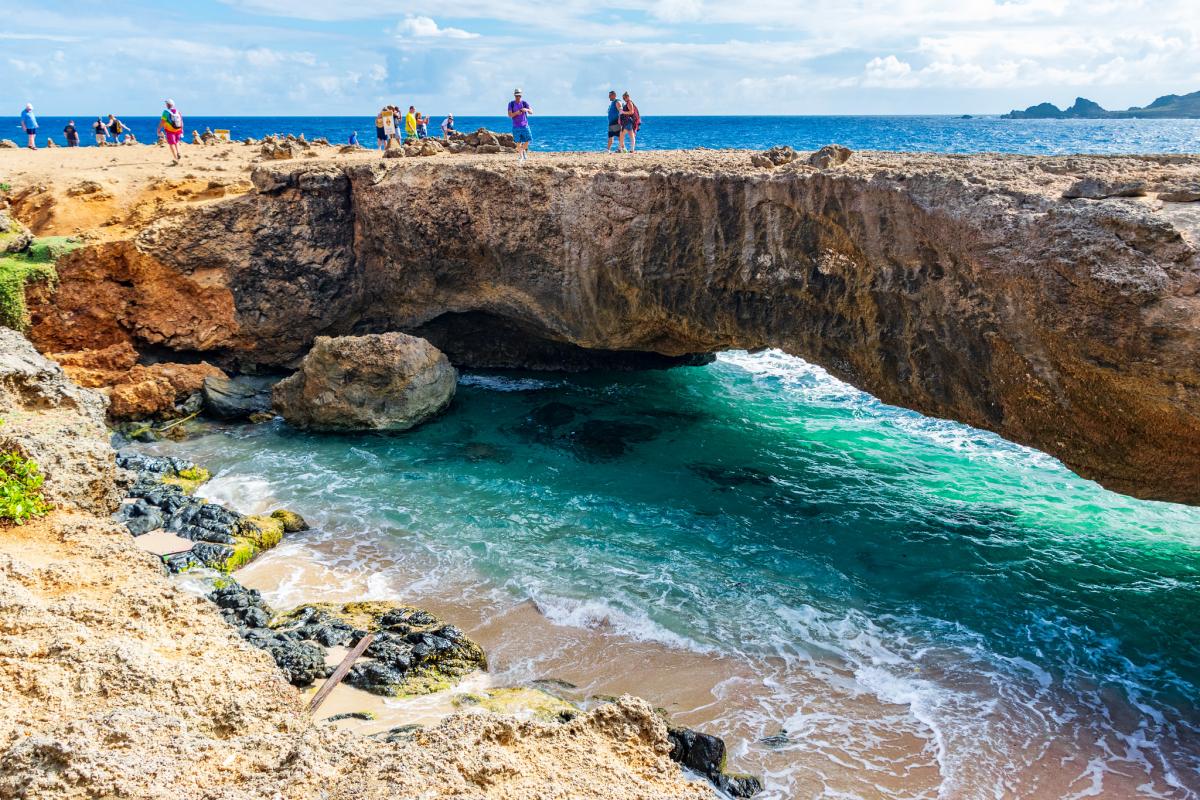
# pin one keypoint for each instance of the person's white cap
(517, 91)
(29, 106)
(169, 102)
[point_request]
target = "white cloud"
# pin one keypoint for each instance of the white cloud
(426, 28)
(889, 72)
(676, 56)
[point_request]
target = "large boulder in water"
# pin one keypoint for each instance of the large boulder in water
(379, 382)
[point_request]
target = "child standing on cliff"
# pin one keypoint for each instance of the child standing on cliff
(518, 112)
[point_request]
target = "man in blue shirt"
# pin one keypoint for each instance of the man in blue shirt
(614, 118)
(29, 123)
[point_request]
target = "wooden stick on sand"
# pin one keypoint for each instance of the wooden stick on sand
(339, 673)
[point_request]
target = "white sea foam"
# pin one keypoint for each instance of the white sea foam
(247, 494)
(598, 614)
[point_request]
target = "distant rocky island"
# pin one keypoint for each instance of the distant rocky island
(1171, 106)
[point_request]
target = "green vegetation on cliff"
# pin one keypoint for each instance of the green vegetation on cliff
(20, 490)
(33, 265)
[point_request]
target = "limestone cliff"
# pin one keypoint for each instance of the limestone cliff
(962, 287)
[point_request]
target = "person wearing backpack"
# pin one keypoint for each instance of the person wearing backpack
(518, 112)
(116, 128)
(631, 122)
(171, 124)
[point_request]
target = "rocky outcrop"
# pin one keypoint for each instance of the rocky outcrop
(379, 382)
(705, 754)
(960, 286)
(116, 683)
(56, 424)
(413, 651)
(237, 398)
(14, 237)
(137, 391)
(1094, 188)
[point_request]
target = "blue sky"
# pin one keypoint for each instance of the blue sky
(278, 57)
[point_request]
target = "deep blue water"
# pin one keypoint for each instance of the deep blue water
(923, 133)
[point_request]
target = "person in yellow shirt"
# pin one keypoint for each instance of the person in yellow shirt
(410, 123)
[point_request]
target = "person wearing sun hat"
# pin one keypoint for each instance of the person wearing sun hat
(518, 112)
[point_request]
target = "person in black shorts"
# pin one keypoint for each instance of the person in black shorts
(614, 118)
(380, 133)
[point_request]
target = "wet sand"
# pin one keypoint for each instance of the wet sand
(842, 740)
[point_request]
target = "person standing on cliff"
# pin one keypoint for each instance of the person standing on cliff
(381, 134)
(614, 118)
(100, 132)
(72, 134)
(631, 122)
(410, 123)
(116, 128)
(171, 124)
(518, 112)
(29, 123)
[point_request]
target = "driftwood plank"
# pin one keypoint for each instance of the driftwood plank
(339, 673)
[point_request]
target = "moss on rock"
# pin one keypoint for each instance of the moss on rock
(413, 653)
(32, 265)
(189, 479)
(260, 531)
(520, 701)
(254, 534)
(292, 522)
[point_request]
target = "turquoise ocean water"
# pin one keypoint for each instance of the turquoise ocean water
(926, 609)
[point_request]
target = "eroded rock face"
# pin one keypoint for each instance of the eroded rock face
(14, 237)
(56, 424)
(962, 287)
(379, 382)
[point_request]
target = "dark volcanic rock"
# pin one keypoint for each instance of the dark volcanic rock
(302, 661)
(237, 398)
(705, 754)
(413, 652)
